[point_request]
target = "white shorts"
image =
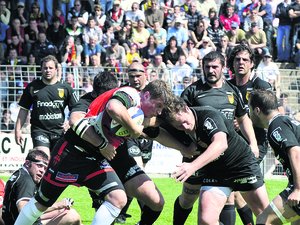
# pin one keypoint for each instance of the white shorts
(225, 191)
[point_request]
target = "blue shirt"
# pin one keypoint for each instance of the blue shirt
(268, 17)
(3, 28)
(181, 35)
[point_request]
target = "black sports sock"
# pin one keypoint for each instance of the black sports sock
(148, 216)
(228, 215)
(180, 214)
(246, 215)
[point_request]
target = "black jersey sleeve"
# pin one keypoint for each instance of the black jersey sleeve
(26, 98)
(83, 104)
(24, 187)
(72, 97)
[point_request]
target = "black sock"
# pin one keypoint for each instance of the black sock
(228, 215)
(180, 214)
(246, 215)
(148, 216)
(125, 208)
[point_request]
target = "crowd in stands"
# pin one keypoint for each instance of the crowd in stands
(170, 37)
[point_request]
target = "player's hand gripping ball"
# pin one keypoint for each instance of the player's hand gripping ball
(136, 114)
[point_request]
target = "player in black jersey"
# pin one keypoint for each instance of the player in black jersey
(213, 90)
(284, 137)
(225, 159)
(241, 61)
(46, 100)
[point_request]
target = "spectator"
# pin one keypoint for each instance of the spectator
(106, 5)
(179, 32)
(17, 44)
(253, 17)
(248, 9)
(15, 29)
(192, 54)
(140, 35)
(7, 125)
(295, 16)
(153, 75)
(46, 8)
(21, 14)
(215, 31)
(125, 35)
(207, 46)
(224, 48)
(159, 67)
(284, 106)
(168, 7)
(56, 33)
(31, 34)
(71, 53)
(108, 36)
(132, 55)
(95, 67)
(199, 33)
(3, 46)
(75, 30)
(70, 79)
(297, 51)
(193, 16)
(23, 184)
(118, 51)
(42, 47)
(113, 65)
(283, 42)
(147, 53)
(116, 16)
(241, 6)
(179, 71)
(92, 48)
(31, 68)
(79, 12)
(99, 15)
(135, 14)
(36, 14)
(92, 30)
(224, 5)
(58, 14)
(4, 13)
(160, 35)
(153, 14)
(229, 17)
(65, 7)
(235, 35)
(207, 6)
(172, 52)
(212, 13)
(171, 18)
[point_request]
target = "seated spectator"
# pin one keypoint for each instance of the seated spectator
(224, 48)
(79, 12)
(179, 32)
(140, 35)
(113, 64)
(175, 14)
(92, 30)
(153, 14)
(15, 29)
(160, 35)
(207, 46)
(229, 17)
(235, 35)
(132, 55)
(215, 31)
(31, 68)
(199, 33)
(17, 44)
(23, 184)
(192, 54)
(135, 14)
(4, 13)
(70, 79)
(95, 67)
(284, 107)
(31, 34)
(56, 33)
(125, 35)
(71, 53)
(147, 53)
(21, 14)
(90, 49)
(159, 67)
(253, 17)
(206, 6)
(99, 15)
(36, 14)
(168, 7)
(223, 7)
(192, 16)
(7, 125)
(116, 16)
(108, 36)
(118, 51)
(212, 13)
(251, 6)
(58, 14)
(172, 52)
(153, 75)
(73, 29)
(3, 46)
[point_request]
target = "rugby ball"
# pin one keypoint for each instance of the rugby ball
(136, 114)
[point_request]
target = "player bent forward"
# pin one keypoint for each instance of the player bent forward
(225, 157)
(80, 163)
(284, 138)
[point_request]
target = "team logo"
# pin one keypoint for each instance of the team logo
(247, 95)
(210, 125)
(277, 136)
(61, 92)
(230, 97)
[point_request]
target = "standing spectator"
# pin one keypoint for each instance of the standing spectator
(215, 31)
(92, 48)
(135, 14)
(4, 13)
(229, 17)
(172, 52)
(235, 35)
(7, 125)
(15, 29)
(199, 33)
(116, 16)
(253, 17)
(92, 30)
(56, 33)
(31, 34)
(47, 97)
(283, 42)
(179, 32)
(22, 186)
(21, 14)
(295, 16)
(3, 46)
(36, 14)
(153, 14)
(193, 16)
(265, 11)
(99, 15)
(140, 35)
(160, 35)
(79, 12)
(65, 6)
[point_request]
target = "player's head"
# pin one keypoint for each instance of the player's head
(103, 82)
(137, 76)
(49, 67)
(241, 60)
(156, 96)
(179, 115)
(261, 104)
(213, 64)
(36, 163)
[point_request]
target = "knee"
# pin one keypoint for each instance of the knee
(207, 220)
(117, 198)
(72, 217)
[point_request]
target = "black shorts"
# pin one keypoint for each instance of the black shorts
(285, 194)
(125, 165)
(69, 166)
(140, 147)
(44, 138)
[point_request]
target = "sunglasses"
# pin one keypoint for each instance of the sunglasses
(190, 43)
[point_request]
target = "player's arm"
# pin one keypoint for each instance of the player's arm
(119, 113)
(294, 156)
(247, 130)
(23, 113)
(21, 204)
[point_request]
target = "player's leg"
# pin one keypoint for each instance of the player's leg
(184, 203)
(62, 217)
(243, 209)
(41, 141)
(211, 203)
(228, 214)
